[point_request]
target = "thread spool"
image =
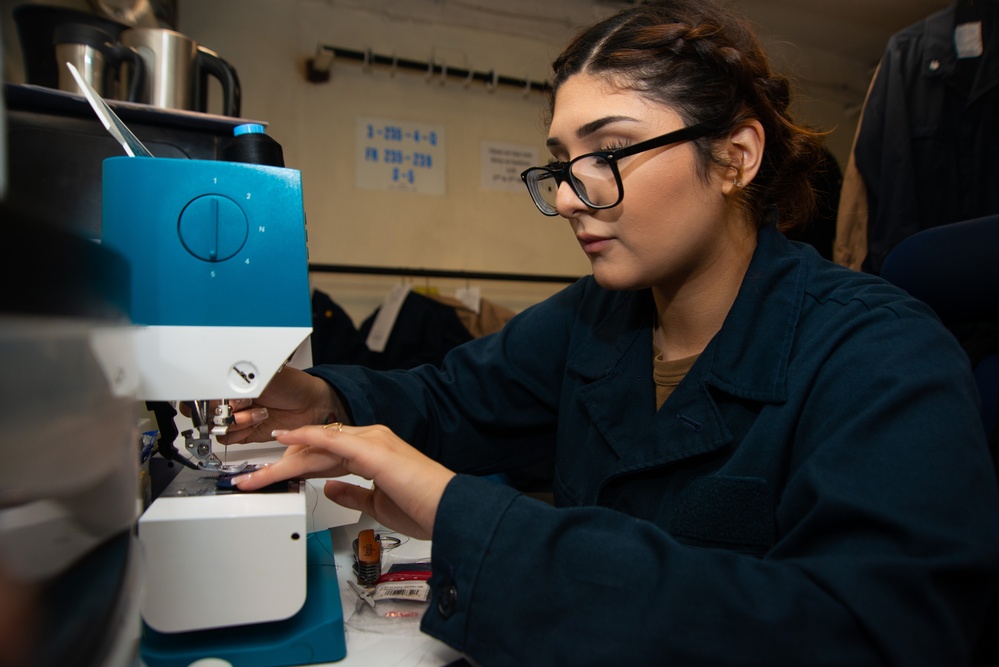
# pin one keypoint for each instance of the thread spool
(367, 558)
(251, 144)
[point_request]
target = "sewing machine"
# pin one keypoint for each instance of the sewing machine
(220, 302)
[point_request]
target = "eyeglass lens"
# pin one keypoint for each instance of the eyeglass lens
(592, 179)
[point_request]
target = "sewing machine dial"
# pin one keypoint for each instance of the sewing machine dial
(243, 376)
(213, 228)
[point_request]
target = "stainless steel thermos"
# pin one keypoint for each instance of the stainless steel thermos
(177, 71)
(99, 59)
(155, 66)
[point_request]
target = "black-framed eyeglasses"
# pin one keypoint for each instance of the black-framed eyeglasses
(594, 177)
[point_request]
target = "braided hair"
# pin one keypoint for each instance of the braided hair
(706, 63)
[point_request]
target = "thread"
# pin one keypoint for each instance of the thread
(251, 144)
(367, 558)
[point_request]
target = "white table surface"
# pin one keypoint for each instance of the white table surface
(410, 647)
(407, 648)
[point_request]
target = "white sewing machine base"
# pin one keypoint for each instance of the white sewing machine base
(216, 558)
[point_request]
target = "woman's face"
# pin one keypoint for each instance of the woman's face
(671, 224)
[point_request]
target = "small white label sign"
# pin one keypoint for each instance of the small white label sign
(502, 164)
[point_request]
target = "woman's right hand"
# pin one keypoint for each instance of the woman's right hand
(407, 485)
(291, 399)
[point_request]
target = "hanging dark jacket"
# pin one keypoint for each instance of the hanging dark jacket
(424, 331)
(927, 143)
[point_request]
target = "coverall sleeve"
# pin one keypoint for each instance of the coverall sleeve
(887, 536)
(493, 403)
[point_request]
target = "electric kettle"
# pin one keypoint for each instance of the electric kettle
(177, 71)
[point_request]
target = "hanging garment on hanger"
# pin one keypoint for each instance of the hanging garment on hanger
(334, 336)
(423, 332)
(820, 231)
(850, 243)
(490, 318)
(926, 142)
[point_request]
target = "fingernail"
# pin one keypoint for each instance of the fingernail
(258, 415)
(278, 432)
(235, 481)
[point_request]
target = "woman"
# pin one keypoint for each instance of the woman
(760, 457)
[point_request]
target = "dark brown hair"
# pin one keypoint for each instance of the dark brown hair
(707, 64)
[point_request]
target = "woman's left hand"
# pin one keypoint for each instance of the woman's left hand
(407, 485)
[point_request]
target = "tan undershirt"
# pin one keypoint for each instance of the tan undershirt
(667, 374)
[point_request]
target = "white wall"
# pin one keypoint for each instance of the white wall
(269, 41)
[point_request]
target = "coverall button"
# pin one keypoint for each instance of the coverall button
(448, 601)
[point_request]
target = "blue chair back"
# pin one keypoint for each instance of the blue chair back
(954, 268)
